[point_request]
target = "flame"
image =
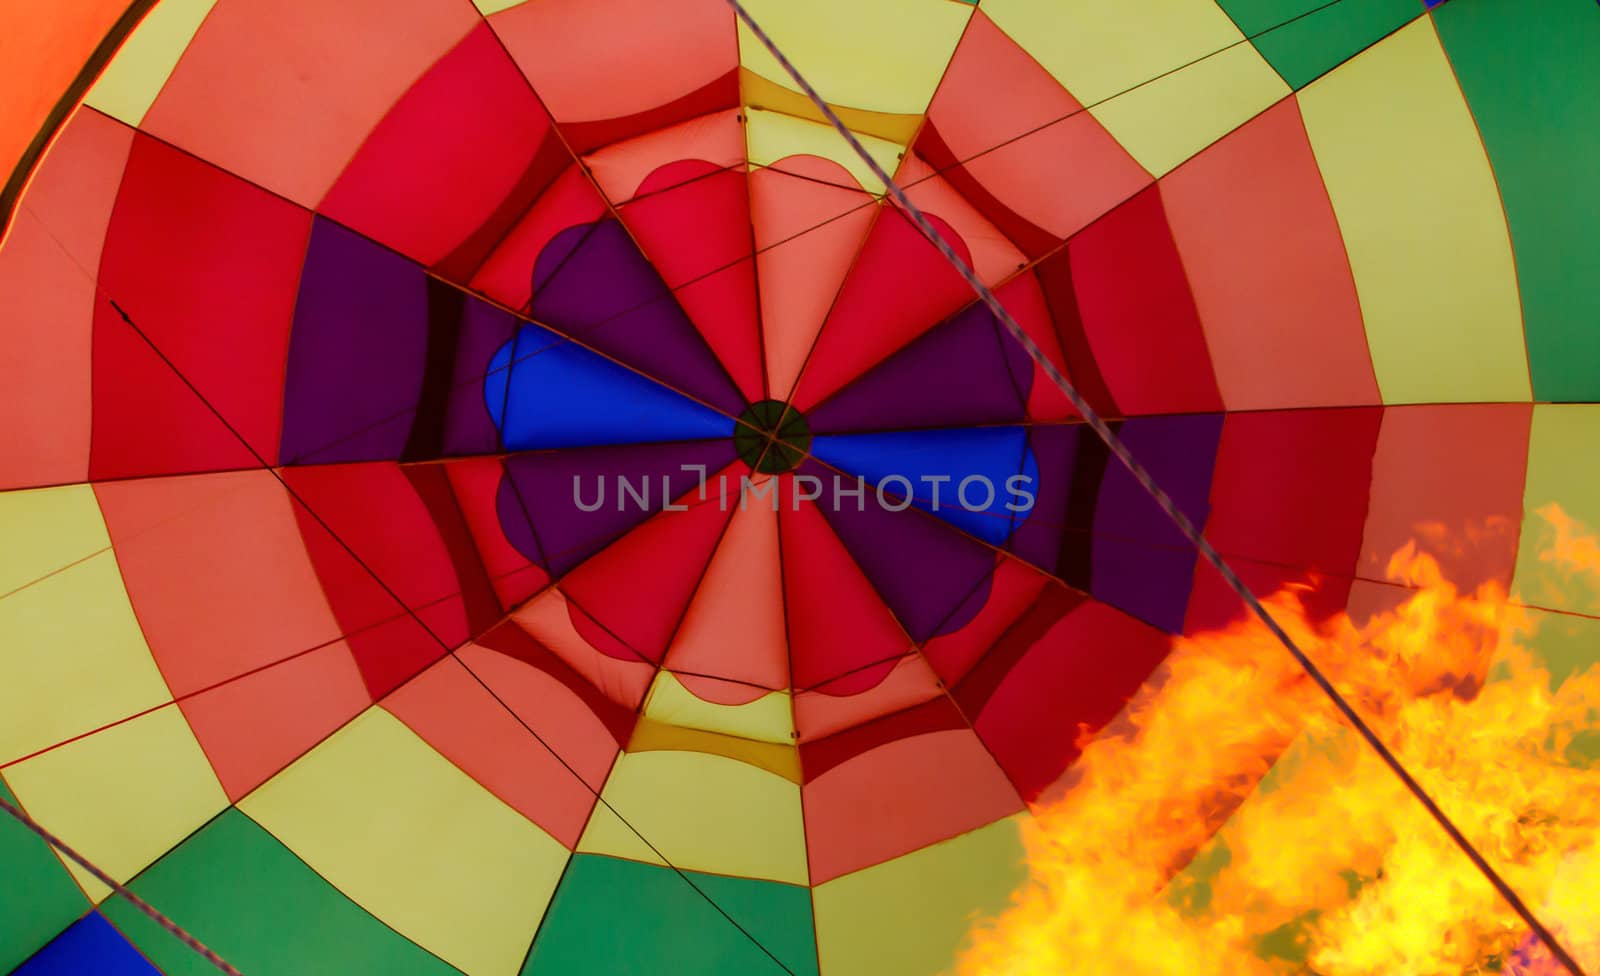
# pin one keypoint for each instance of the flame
(1231, 823)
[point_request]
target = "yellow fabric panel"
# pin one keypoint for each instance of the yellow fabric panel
(777, 759)
(773, 136)
(416, 842)
(908, 916)
(1563, 469)
(883, 56)
(133, 79)
(1098, 49)
(45, 529)
(487, 7)
(1101, 51)
(767, 719)
(122, 797)
(1422, 222)
(72, 656)
(758, 92)
(703, 813)
(1169, 120)
(1565, 644)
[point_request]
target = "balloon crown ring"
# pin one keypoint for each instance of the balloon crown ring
(772, 437)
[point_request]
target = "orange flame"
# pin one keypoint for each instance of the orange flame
(1229, 823)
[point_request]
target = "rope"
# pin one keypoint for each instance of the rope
(1162, 499)
(1090, 416)
(148, 910)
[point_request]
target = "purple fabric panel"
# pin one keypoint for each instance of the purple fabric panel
(357, 352)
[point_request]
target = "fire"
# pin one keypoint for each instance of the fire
(1230, 823)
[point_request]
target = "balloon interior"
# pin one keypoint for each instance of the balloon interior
(502, 488)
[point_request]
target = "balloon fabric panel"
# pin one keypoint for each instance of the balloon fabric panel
(512, 496)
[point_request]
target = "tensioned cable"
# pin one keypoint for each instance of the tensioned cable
(148, 910)
(443, 644)
(1173, 512)
(1097, 423)
(407, 610)
(579, 335)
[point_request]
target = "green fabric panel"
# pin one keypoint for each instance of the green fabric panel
(622, 917)
(38, 898)
(241, 892)
(1531, 72)
(1304, 49)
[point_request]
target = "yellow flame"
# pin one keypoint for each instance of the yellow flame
(1230, 823)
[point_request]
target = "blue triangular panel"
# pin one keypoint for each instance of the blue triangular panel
(564, 395)
(91, 945)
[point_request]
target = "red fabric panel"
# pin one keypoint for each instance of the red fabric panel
(476, 484)
(837, 622)
(516, 643)
(1289, 498)
(206, 266)
(1014, 589)
(697, 234)
(479, 602)
(638, 587)
(816, 758)
(506, 274)
(1063, 679)
(1450, 476)
(374, 510)
(1054, 274)
(1138, 314)
(586, 137)
(445, 157)
(899, 288)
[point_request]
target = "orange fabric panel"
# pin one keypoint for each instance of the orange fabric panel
(649, 164)
(486, 738)
(1011, 125)
(1451, 478)
(254, 726)
(820, 712)
(994, 257)
(278, 94)
(902, 796)
(46, 268)
(571, 200)
(734, 627)
(1267, 267)
(217, 573)
(43, 46)
(592, 60)
(583, 645)
(808, 230)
